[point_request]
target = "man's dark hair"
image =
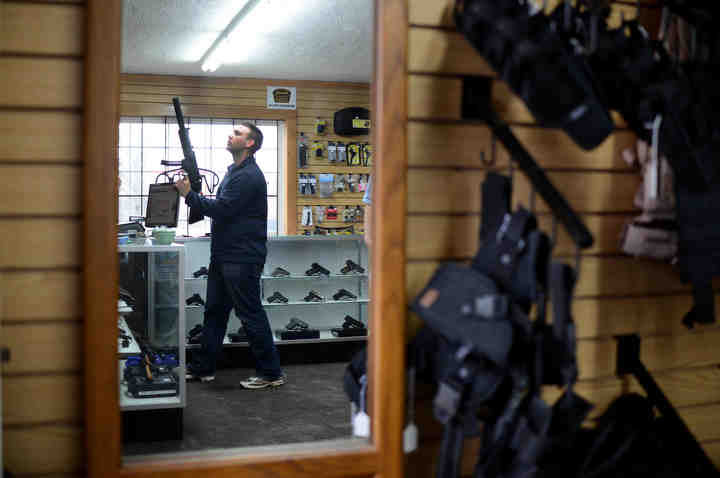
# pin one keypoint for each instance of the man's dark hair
(255, 134)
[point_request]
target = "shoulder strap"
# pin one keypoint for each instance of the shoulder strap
(496, 196)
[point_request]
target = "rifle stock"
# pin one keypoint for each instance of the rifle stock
(189, 163)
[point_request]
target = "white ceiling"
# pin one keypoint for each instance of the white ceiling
(327, 40)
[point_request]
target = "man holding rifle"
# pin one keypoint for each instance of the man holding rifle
(237, 258)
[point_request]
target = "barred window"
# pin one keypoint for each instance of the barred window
(145, 141)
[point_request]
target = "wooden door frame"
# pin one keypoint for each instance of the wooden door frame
(383, 456)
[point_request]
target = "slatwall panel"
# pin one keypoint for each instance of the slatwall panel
(41, 59)
(314, 100)
(448, 160)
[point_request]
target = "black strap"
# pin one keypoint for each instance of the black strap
(449, 409)
(496, 196)
(703, 309)
(562, 284)
(511, 243)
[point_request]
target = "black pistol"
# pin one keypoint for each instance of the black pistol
(189, 163)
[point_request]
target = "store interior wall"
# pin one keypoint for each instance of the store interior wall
(41, 60)
(41, 98)
(315, 99)
(616, 294)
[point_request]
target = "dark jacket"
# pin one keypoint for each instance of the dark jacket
(239, 214)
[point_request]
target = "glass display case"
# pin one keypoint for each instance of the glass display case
(151, 327)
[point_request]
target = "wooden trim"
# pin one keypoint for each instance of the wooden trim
(100, 189)
(289, 179)
(384, 458)
(229, 82)
(304, 465)
(388, 305)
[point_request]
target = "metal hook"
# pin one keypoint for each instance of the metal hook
(485, 162)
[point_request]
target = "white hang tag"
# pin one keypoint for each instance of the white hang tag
(410, 433)
(410, 438)
(361, 425)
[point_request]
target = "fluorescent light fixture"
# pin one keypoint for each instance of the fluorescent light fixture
(213, 58)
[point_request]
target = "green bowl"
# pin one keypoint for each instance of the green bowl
(163, 237)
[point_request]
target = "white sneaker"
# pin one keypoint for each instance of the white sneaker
(259, 382)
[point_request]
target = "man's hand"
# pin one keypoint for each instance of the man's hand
(183, 186)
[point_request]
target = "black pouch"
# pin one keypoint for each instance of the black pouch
(464, 306)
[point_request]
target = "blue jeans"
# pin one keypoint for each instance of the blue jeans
(236, 285)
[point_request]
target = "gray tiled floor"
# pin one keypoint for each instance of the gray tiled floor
(310, 406)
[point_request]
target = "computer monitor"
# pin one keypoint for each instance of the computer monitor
(163, 206)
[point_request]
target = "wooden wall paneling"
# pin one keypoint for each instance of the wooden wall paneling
(434, 50)
(40, 399)
(684, 388)
(450, 145)
(46, 83)
(459, 145)
(219, 82)
(43, 347)
(43, 449)
(448, 190)
(600, 276)
(41, 295)
(40, 136)
(652, 315)
(33, 243)
(436, 14)
(596, 357)
(306, 96)
(433, 97)
(321, 166)
(46, 189)
(256, 101)
(439, 14)
(597, 192)
(42, 29)
(712, 449)
(553, 149)
(438, 97)
(455, 236)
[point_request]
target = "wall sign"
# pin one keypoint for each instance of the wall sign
(281, 97)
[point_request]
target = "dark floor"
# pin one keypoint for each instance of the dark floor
(311, 406)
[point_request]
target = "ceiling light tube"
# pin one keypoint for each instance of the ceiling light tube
(212, 58)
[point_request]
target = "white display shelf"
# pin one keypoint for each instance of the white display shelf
(298, 302)
(295, 238)
(133, 348)
(302, 302)
(325, 336)
(297, 277)
(304, 277)
(129, 403)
